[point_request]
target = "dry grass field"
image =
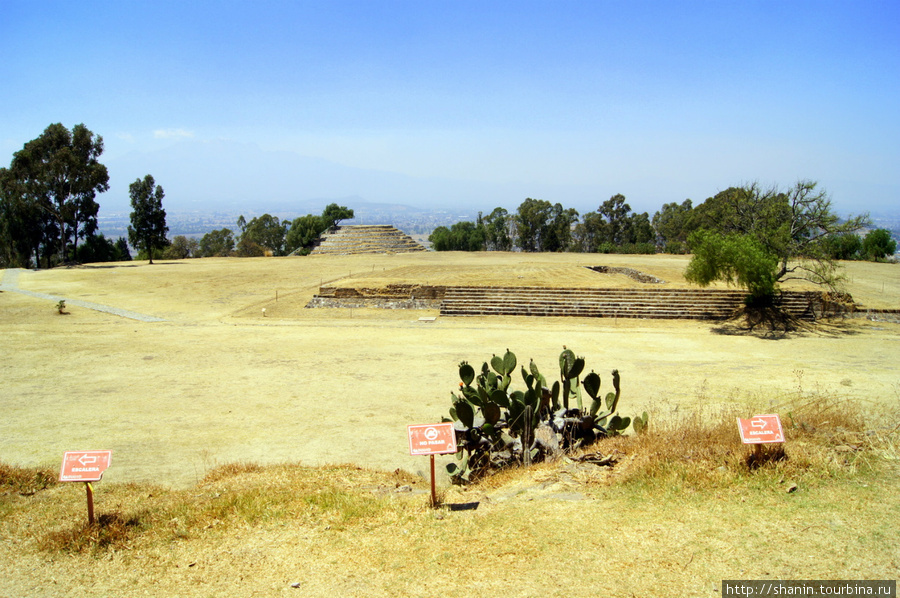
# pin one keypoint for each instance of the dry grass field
(219, 382)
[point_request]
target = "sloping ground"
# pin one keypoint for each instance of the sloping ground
(353, 240)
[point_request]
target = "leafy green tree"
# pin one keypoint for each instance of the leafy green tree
(790, 227)
(846, 246)
(96, 248)
(614, 213)
(638, 230)
(532, 221)
(461, 236)
(559, 232)
(247, 247)
(303, 232)
(122, 252)
(333, 213)
(733, 258)
(268, 232)
(878, 244)
(148, 218)
(22, 224)
(587, 234)
(58, 175)
(673, 224)
(217, 243)
(497, 230)
(182, 248)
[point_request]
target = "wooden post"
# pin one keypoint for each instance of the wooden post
(434, 502)
(527, 436)
(90, 502)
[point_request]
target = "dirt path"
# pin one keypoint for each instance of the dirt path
(11, 283)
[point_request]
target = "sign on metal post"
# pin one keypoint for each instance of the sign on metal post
(87, 467)
(761, 429)
(432, 439)
(84, 466)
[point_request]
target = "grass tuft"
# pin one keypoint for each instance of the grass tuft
(825, 437)
(25, 480)
(110, 531)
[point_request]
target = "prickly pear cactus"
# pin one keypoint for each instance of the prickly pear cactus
(497, 427)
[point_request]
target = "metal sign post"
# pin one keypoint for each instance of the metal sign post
(760, 430)
(432, 439)
(87, 467)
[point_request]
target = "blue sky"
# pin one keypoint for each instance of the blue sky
(447, 104)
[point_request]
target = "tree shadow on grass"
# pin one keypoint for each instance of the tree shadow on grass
(773, 324)
(768, 322)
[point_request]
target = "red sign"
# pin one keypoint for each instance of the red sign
(432, 439)
(761, 429)
(84, 466)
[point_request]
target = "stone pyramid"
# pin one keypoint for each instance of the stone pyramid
(349, 240)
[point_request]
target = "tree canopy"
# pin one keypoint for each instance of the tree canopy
(878, 244)
(48, 194)
(148, 218)
(786, 232)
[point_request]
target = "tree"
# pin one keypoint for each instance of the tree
(303, 232)
(733, 258)
(614, 212)
(182, 248)
(461, 236)
(267, 232)
(122, 252)
(559, 232)
(497, 230)
(790, 227)
(148, 218)
(638, 230)
(845, 246)
(55, 179)
(306, 229)
(673, 225)
(587, 233)
(217, 243)
(96, 248)
(878, 244)
(22, 230)
(333, 214)
(532, 222)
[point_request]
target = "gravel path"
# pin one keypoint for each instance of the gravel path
(11, 284)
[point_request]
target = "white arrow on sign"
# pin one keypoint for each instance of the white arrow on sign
(758, 423)
(87, 459)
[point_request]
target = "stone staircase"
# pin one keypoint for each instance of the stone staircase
(673, 304)
(352, 240)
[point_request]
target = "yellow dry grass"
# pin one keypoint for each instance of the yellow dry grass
(219, 383)
(678, 513)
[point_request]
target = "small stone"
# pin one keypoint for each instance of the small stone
(296, 584)
(792, 488)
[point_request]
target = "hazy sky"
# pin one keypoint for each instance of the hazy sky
(456, 103)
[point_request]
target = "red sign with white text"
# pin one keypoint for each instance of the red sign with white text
(84, 466)
(432, 439)
(761, 429)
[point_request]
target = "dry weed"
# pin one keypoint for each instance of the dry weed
(825, 436)
(25, 480)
